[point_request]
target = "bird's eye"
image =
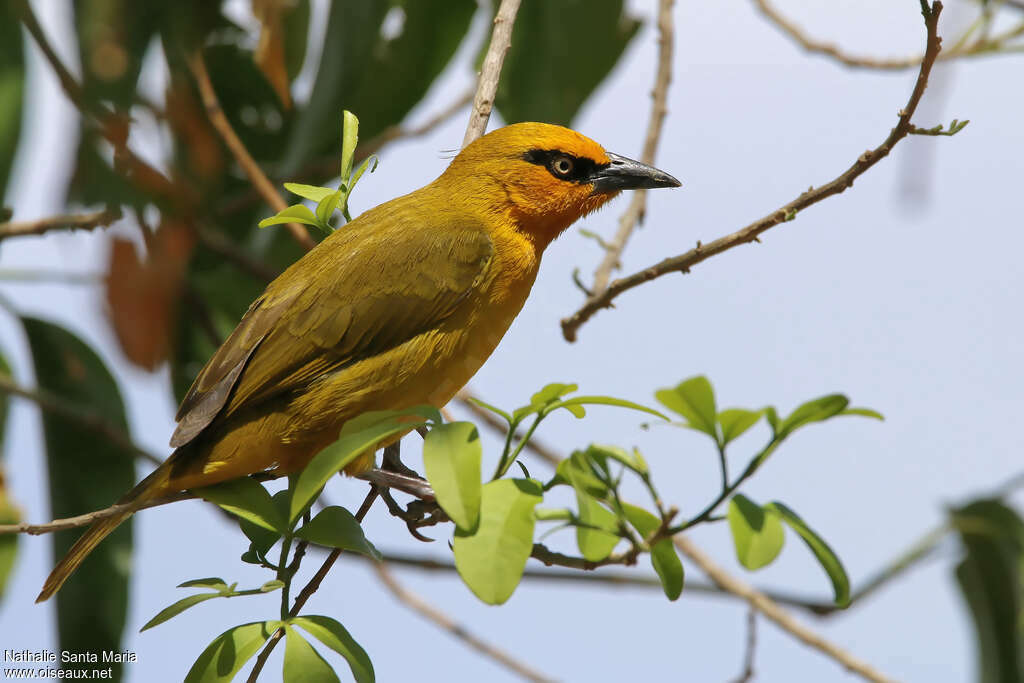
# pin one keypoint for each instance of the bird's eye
(562, 166)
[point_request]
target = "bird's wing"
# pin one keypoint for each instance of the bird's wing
(362, 292)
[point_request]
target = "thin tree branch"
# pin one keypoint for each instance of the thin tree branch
(683, 262)
(219, 244)
(487, 86)
(220, 122)
(69, 411)
(748, 658)
(962, 48)
(634, 214)
(773, 612)
(446, 623)
(84, 221)
(89, 517)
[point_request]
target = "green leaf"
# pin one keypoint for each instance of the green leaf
(552, 514)
(246, 499)
(325, 209)
(597, 540)
(561, 33)
(992, 582)
(735, 421)
(85, 473)
(757, 536)
(312, 192)
(9, 514)
(863, 412)
(694, 399)
(494, 409)
(179, 607)
(297, 213)
(12, 89)
(543, 398)
(333, 635)
(371, 162)
(261, 539)
(336, 527)
(491, 560)
(214, 582)
(633, 461)
(664, 558)
(604, 401)
(330, 460)
(827, 558)
(229, 652)
(271, 586)
(816, 410)
(451, 458)
(349, 140)
(302, 662)
(577, 472)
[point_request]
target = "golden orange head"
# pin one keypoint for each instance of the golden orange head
(548, 176)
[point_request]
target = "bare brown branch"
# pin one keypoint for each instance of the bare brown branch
(40, 226)
(487, 86)
(683, 262)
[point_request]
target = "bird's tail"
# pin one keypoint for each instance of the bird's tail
(153, 486)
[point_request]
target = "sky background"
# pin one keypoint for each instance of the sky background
(903, 293)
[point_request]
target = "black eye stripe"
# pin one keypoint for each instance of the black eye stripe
(582, 171)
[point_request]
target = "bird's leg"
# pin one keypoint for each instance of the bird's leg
(392, 462)
(419, 513)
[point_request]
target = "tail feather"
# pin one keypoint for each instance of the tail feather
(151, 487)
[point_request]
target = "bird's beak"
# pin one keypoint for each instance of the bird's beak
(627, 174)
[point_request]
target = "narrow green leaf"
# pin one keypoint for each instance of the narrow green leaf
(332, 634)
(229, 652)
(330, 460)
(214, 582)
(271, 586)
(261, 538)
(815, 410)
(758, 537)
(298, 213)
(494, 409)
(694, 399)
(451, 458)
(336, 527)
(326, 207)
(179, 607)
(312, 192)
(664, 558)
(302, 662)
(596, 540)
(540, 400)
(246, 499)
(576, 472)
(552, 514)
(604, 401)
(371, 162)
(827, 558)
(375, 417)
(633, 461)
(349, 140)
(491, 560)
(735, 421)
(863, 412)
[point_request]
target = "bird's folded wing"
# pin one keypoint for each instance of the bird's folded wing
(358, 294)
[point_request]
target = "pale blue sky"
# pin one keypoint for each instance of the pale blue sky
(909, 307)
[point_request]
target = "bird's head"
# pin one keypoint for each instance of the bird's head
(546, 176)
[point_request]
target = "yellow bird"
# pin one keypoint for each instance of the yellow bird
(398, 308)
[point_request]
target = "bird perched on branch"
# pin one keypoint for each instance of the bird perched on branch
(398, 308)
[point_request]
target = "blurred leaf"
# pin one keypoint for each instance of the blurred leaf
(758, 537)
(85, 473)
(380, 78)
(270, 55)
(863, 412)
(451, 458)
(215, 582)
(816, 410)
(177, 608)
(113, 36)
(991, 577)
(576, 472)
(229, 652)
(595, 544)
(12, 88)
(694, 399)
(827, 558)
(560, 53)
(247, 499)
(494, 409)
(735, 421)
(9, 514)
(336, 527)
(633, 461)
(302, 662)
(332, 634)
(604, 401)
(664, 558)
(491, 560)
(542, 399)
(296, 37)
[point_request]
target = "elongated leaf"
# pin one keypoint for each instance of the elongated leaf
(332, 634)
(605, 401)
(229, 652)
(992, 583)
(177, 608)
(863, 412)
(86, 472)
(494, 409)
(302, 662)
(736, 421)
(540, 400)
(326, 207)
(694, 399)
(349, 140)
(758, 537)
(312, 192)
(246, 499)
(297, 213)
(336, 527)
(491, 560)
(815, 410)
(12, 89)
(595, 543)
(451, 457)
(214, 582)
(330, 460)
(827, 558)
(634, 461)
(576, 472)
(553, 66)
(664, 558)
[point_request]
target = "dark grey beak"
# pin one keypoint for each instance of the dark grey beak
(627, 174)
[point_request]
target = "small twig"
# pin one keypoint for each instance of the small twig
(89, 517)
(487, 86)
(84, 221)
(773, 612)
(748, 659)
(542, 451)
(683, 262)
(443, 621)
(69, 411)
(237, 147)
(634, 213)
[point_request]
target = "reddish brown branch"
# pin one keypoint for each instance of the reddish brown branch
(84, 221)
